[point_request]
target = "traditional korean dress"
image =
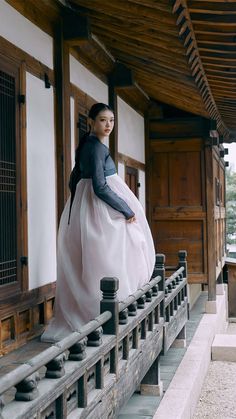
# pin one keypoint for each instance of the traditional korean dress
(98, 242)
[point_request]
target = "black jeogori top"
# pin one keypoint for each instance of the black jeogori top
(96, 163)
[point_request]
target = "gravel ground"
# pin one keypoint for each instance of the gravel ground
(218, 396)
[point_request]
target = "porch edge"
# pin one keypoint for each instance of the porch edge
(181, 397)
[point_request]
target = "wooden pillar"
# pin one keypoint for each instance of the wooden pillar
(121, 77)
(151, 383)
(62, 117)
(210, 206)
(113, 139)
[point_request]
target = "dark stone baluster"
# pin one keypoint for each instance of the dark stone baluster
(175, 303)
(61, 406)
(2, 404)
(171, 308)
(160, 271)
(155, 290)
(167, 314)
(179, 298)
(183, 261)
(109, 287)
(27, 389)
(132, 309)
(100, 374)
(150, 322)
(157, 315)
(186, 291)
(113, 360)
(177, 280)
(123, 316)
(95, 338)
(144, 329)
(109, 302)
(83, 391)
(77, 351)
(55, 368)
(149, 296)
(126, 347)
(135, 338)
(141, 301)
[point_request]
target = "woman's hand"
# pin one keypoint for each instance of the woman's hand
(131, 220)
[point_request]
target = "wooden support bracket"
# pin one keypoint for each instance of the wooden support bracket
(76, 28)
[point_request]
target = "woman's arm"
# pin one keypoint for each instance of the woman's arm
(100, 186)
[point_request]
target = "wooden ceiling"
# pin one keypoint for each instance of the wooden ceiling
(182, 53)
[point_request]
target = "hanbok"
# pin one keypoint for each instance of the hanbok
(98, 242)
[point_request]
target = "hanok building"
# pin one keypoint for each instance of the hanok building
(168, 70)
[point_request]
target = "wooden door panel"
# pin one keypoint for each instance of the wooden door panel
(159, 188)
(185, 179)
(171, 236)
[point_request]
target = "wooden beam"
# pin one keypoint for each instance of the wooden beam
(121, 76)
(128, 161)
(179, 127)
(62, 117)
(76, 28)
(214, 7)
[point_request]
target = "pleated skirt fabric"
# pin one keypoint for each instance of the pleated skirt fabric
(97, 243)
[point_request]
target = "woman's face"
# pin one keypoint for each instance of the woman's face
(103, 124)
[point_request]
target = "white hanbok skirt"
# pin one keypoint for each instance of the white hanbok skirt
(97, 243)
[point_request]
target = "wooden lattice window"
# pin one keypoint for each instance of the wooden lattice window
(82, 125)
(8, 189)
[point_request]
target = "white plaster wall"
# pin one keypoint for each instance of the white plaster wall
(72, 130)
(24, 34)
(131, 133)
(121, 170)
(41, 183)
(86, 81)
(142, 189)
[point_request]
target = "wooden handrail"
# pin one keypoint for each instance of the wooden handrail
(34, 364)
(139, 328)
(137, 294)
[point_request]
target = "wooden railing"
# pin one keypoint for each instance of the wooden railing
(94, 371)
(176, 304)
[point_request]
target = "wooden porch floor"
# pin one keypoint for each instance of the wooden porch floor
(138, 407)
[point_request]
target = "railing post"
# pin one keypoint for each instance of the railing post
(109, 302)
(77, 351)
(2, 404)
(159, 270)
(27, 389)
(55, 368)
(183, 261)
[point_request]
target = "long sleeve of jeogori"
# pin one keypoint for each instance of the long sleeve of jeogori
(100, 186)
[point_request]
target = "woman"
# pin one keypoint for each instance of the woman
(103, 232)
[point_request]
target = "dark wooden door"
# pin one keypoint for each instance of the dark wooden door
(131, 178)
